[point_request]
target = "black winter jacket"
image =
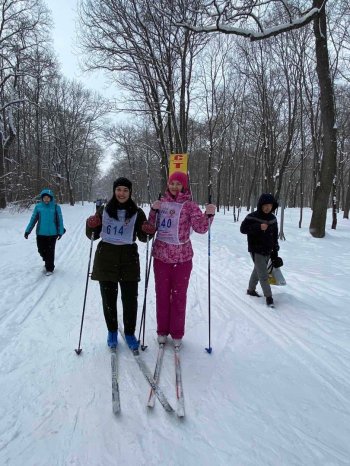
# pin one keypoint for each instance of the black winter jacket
(259, 241)
(115, 263)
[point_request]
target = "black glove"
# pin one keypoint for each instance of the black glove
(274, 254)
(277, 262)
(26, 235)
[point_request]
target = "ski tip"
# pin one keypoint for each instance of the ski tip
(78, 351)
(209, 350)
(116, 410)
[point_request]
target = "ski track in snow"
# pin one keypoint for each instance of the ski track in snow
(275, 391)
(286, 340)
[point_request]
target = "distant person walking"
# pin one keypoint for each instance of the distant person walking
(261, 229)
(116, 262)
(47, 216)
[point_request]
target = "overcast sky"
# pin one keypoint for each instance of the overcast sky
(64, 15)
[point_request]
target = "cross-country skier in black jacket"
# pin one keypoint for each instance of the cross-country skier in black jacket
(261, 229)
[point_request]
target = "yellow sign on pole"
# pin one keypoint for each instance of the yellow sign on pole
(178, 163)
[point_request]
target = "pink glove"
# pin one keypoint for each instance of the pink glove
(210, 209)
(156, 205)
(148, 228)
(94, 221)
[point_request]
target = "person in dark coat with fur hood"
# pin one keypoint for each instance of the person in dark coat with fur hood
(261, 229)
(116, 261)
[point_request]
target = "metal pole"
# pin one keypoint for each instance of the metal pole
(143, 316)
(147, 273)
(79, 350)
(209, 349)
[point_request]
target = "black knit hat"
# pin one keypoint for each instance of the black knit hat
(122, 182)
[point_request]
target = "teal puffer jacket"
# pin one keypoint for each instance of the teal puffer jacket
(48, 217)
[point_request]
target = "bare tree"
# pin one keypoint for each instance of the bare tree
(75, 121)
(137, 155)
(138, 42)
(219, 105)
(252, 20)
(328, 167)
(22, 26)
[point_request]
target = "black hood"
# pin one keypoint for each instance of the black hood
(267, 198)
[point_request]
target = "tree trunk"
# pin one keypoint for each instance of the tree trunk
(328, 167)
(4, 148)
(334, 205)
(2, 178)
(347, 200)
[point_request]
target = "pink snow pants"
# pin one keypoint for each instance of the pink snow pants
(171, 282)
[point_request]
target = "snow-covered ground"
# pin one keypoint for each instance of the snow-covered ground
(274, 391)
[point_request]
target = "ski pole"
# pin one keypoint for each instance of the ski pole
(79, 350)
(143, 316)
(147, 274)
(209, 349)
(144, 307)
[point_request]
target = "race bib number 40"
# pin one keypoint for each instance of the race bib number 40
(168, 222)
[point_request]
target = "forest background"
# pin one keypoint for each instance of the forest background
(270, 113)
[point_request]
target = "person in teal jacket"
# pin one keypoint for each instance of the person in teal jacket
(47, 216)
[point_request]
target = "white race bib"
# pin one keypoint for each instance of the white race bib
(119, 231)
(168, 222)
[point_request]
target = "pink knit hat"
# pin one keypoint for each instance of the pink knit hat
(180, 177)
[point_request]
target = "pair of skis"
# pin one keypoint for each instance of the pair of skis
(152, 381)
(180, 409)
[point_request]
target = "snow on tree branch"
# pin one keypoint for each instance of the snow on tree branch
(230, 17)
(13, 102)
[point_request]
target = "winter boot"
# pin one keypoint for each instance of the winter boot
(131, 341)
(177, 343)
(269, 301)
(112, 339)
(162, 339)
(48, 273)
(253, 293)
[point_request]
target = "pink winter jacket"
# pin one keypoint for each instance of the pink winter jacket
(191, 216)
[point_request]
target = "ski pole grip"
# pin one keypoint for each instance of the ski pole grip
(209, 202)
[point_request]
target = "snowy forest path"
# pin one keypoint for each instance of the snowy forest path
(280, 329)
(274, 390)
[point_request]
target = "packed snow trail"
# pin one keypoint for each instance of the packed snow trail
(274, 391)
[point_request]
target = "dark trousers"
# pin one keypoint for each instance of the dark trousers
(109, 293)
(46, 248)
